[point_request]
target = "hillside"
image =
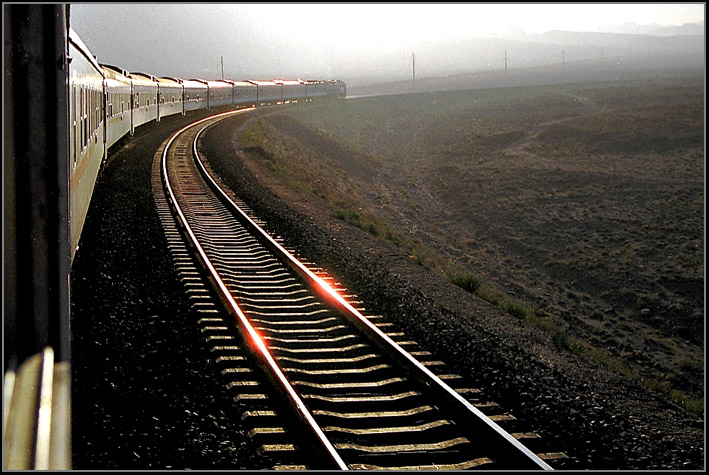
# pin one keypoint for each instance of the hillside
(573, 217)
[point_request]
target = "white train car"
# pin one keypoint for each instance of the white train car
(145, 102)
(291, 90)
(117, 97)
(170, 96)
(244, 94)
(341, 88)
(335, 88)
(195, 94)
(86, 131)
(267, 92)
(220, 93)
(315, 89)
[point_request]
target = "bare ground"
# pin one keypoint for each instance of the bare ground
(585, 204)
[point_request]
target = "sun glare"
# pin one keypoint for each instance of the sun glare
(392, 25)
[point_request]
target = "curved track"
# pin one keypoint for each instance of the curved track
(362, 400)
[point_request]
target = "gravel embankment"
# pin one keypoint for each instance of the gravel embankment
(145, 395)
(601, 420)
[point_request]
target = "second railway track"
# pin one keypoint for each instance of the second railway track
(359, 398)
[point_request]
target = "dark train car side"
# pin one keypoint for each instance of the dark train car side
(63, 112)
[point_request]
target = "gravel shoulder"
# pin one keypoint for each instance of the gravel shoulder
(145, 395)
(598, 418)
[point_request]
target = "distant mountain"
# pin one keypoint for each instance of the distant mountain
(654, 29)
(684, 30)
(624, 43)
(516, 50)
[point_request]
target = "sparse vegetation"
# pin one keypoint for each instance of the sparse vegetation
(593, 208)
(466, 280)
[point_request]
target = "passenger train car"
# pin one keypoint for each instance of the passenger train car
(63, 111)
(108, 103)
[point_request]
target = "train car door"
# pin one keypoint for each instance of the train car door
(105, 120)
(132, 107)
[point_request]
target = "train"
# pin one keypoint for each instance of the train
(63, 112)
(107, 103)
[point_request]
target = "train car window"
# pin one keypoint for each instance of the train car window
(97, 120)
(73, 119)
(92, 112)
(81, 116)
(89, 114)
(83, 119)
(87, 105)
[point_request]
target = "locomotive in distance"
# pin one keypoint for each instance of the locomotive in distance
(107, 103)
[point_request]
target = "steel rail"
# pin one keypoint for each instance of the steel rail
(252, 335)
(416, 369)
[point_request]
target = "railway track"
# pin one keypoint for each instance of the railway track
(358, 394)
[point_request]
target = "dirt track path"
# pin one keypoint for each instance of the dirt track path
(533, 132)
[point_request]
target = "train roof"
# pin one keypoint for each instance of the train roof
(115, 76)
(149, 77)
(175, 79)
(219, 83)
(194, 83)
(169, 81)
(261, 83)
(287, 82)
(142, 79)
(114, 71)
(79, 44)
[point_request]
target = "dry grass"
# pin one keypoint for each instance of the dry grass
(576, 208)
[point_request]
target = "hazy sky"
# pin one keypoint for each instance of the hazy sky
(310, 39)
